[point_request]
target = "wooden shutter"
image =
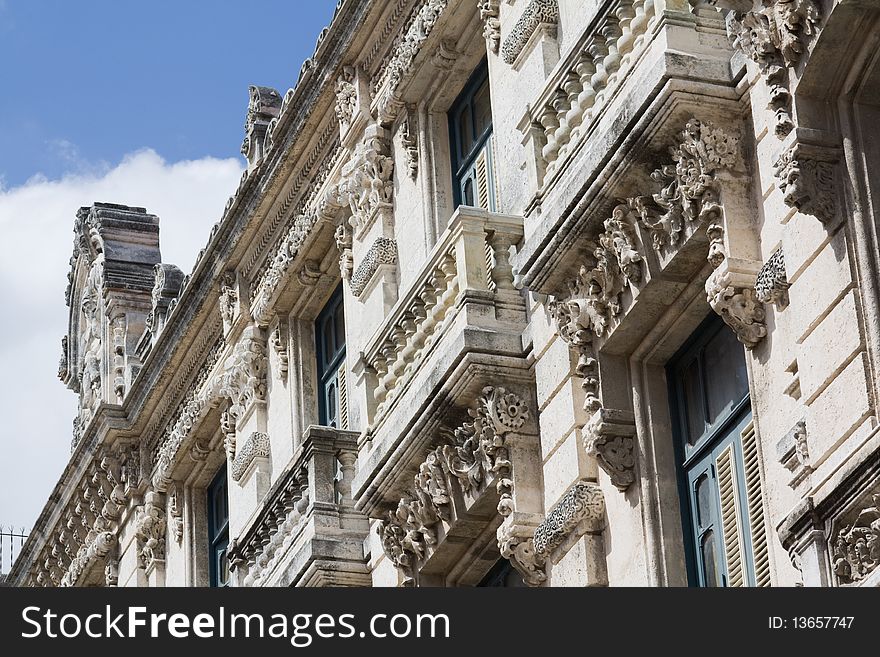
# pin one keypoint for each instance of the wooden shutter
(342, 386)
(755, 502)
(481, 173)
(731, 524)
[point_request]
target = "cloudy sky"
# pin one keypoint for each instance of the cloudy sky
(135, 103)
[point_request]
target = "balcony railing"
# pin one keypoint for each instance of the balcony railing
(469, 264)
(11, 541)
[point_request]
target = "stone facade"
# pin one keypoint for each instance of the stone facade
(504, 393)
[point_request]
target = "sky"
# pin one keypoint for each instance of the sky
(141, 103)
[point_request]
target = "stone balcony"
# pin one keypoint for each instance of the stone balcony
(455, 329)
(306, 532)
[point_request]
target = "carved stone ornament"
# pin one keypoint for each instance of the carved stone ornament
(228, 300)
(410, 142)
(516, 543)
(689, 187)
(382, 252)
(609, 435)
(264, 106)
(243, 377)
(583, 502)
(278, 340)
(344, 244)
(346, 96)
(807, 183)
(256, 446)
(536, 14)
(738, 305)
(367, 184)
(794, 453)
(772, 284)
(175, 512)
(400, 64)
(855, 550)
(775, 36)
(491, 23)
(468, 458)
(150, 531)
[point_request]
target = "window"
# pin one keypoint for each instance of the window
(218, 530)
(716, 449)
(470, 132)
(330, 348)
(502, 575)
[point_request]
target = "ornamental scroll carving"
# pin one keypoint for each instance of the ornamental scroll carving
(582, 502)
(855, 550)
(609, 435)
(775, 36)
(468, 460)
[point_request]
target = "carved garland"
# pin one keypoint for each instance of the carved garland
(464, 464)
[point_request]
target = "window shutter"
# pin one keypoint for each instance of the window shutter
(481, 171)
(731, 524)
(342, 386)
(755, 500)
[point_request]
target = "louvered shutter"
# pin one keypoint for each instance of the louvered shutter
(342, 386)
(755, 502)
(731, 523)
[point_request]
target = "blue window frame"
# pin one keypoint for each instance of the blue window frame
(218, 529)
(330, 349)
(711, 413)
(470, 134)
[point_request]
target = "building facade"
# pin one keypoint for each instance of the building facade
(512, 292)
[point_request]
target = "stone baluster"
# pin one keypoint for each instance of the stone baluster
(587, 96)
(611, 32)
(389, 354)
(549, 120)
(598, 51)
(398, 337)
(502, 272)
(625, 13)
(380, 365)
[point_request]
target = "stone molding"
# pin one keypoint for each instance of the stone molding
(255, 447)
(793, 452)
(536, 14)
(382, 252)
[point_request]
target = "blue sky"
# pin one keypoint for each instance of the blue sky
(86, 82)
(141, 103)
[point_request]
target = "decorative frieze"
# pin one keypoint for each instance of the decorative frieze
(255, 447)
(855, 550)
(536, 14)
(279, 268)
(382, 252)
(609, 435)
(793, 452)
(771, 285)
(582, 503)
(404, 54)
(807, 183)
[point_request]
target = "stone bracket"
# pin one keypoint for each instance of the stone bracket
(609, 435)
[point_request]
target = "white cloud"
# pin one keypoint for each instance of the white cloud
(36, 220)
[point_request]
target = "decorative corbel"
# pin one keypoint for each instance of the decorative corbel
(609, 435)
(805, 176)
